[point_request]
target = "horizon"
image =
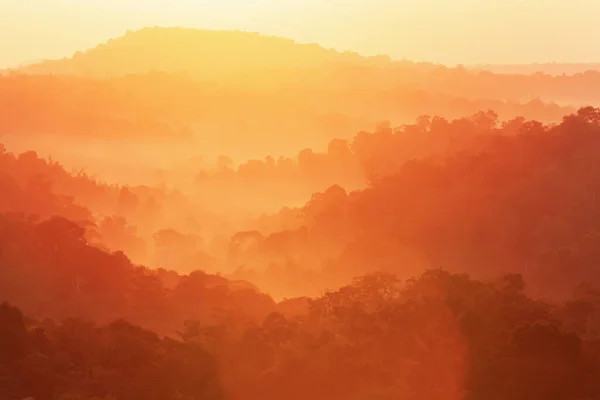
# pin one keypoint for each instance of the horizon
(472, 65)
(476, 34)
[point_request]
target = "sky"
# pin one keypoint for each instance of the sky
(445, 31)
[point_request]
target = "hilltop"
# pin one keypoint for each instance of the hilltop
(204, 54)
(262, 62)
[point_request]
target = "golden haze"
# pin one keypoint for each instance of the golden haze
(215, 214)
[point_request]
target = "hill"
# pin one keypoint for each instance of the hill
(255, 61)
(204, 54)
(49, 269)
(537, 68)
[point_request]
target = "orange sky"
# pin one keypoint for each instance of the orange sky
(456, 31)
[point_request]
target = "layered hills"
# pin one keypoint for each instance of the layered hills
(258, 61)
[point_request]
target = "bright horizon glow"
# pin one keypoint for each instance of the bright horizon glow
(457, 32)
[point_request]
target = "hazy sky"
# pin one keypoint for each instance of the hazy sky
(448, 31)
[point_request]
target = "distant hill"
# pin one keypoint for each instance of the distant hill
(537, 68)
(204, 54)
(255, 61)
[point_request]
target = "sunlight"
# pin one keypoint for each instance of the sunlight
(236, 200)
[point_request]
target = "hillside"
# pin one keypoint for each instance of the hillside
(50, 270)
(514, 204)
(524, 203)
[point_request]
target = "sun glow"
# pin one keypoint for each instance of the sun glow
(462, 31)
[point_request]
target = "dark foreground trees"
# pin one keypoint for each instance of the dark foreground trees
(49, 270)
(77, 360)
(439, 336)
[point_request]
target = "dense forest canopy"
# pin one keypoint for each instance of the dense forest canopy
(449, 190)
(190, 214)
(438, 336)
(511, 203)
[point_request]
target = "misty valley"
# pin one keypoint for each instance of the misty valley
(195, 214)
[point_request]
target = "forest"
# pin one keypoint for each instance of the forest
(212, 225)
